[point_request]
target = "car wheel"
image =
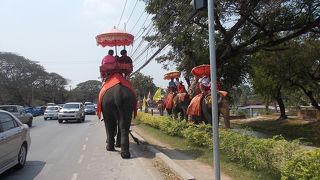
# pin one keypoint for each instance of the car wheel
(60, 120)
(22, 156)
(45, 118)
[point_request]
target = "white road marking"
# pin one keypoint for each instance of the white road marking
(80, 159)
(87, 139)
(74, 176)
(84, 147)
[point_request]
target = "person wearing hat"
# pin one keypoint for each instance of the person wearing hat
(181, 88)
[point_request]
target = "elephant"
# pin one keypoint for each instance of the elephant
(180, 104)
(223, 108)
(117, 108)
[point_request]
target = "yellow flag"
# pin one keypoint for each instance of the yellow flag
(144, 103)
(157, 95)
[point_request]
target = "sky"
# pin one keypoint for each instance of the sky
(60, 35)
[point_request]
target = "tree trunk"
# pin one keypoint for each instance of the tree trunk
(281, 106)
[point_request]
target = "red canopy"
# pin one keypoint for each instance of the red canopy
(115, 37)
(201, 70)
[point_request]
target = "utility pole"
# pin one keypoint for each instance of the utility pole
(200, 5)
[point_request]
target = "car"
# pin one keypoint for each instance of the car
(51, 112)
(17, 111)
(15, 142)
(90, 109)
(72, 111)
(88, 103)
(51, 104)
(33, 110)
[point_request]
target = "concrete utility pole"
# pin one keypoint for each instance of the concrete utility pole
(215, 121)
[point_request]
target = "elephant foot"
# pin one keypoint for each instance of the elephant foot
(125, 155)
(109, 148)
(117, 145)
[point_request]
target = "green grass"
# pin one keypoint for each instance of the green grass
(307, 132)
(205, 155)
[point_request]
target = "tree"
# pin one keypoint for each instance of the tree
(143, 84)
(86, 91)
(17, 75)
(25, 82)
(289, 73)
(242, 28)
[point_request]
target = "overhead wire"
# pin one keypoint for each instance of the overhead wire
(150, 43)
(124, 7)
(134, 7)
(162, 46)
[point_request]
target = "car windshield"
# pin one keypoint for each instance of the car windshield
(9, 108)
(89, 107)
(52, 108)
(71, 106)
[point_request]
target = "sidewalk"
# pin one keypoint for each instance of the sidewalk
(198, 169)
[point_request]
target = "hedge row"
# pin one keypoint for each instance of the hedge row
(276, 155)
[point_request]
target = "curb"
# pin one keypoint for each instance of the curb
(177, 169)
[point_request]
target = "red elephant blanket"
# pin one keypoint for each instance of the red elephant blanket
(112, 81)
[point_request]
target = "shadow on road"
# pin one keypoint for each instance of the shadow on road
(28, 172)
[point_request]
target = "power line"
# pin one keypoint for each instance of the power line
(132, 10)
(165, 43)
(137, 21)
(125, 4)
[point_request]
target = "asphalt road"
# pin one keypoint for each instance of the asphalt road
(76, 151)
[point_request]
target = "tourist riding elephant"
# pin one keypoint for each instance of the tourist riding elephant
(223, 108)
(117, 108)
(180, 104)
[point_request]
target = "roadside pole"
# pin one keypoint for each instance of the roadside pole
(214, 106)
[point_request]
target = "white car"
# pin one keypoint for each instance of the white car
(51, 112)
(14, 141)
(72, 111)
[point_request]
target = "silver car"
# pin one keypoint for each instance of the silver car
(72, 111)
(51, 112)
(14, 142)
(17, 111)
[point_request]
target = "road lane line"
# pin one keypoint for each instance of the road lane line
(80, 159)
(74, 176)
(84, 147)
(87, 139)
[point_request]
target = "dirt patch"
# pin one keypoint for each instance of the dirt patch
(167, 173)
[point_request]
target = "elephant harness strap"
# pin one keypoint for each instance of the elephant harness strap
(112, 81)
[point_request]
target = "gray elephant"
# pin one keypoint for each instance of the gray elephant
(223, 108)
(117, 107)
(180, 104)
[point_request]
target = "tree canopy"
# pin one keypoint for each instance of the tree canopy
(242, 28)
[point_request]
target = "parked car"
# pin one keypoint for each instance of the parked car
(51, 104)
(72, 111)
(33, 110)
(90, 109)
(14, 141)
(51, 112)
(17, 111)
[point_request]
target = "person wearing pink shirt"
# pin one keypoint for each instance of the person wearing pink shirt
(108, 58)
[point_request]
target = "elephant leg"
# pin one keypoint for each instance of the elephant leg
(124, 122)
(226, 118)
(111, 126)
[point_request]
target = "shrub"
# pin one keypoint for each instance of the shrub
(303, 165)
(275, 155)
